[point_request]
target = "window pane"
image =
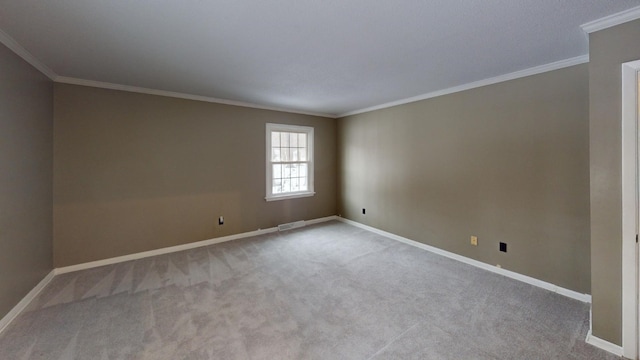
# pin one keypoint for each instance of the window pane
(284, 139)
(289, 160)
(277, 171)
(277, 186)
(303, 184)
(294, 170)
(286, 185)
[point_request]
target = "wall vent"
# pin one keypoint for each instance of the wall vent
(293, 225)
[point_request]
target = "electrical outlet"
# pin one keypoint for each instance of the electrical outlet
(474, 240)
(221, 220)
(503, 247)
(364, 211)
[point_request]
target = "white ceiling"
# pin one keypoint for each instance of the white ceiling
(322, 56)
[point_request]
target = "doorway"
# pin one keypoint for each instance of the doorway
(630, 208)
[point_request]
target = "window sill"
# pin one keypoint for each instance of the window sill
(289, 196)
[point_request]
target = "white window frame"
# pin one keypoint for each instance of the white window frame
(310, 162)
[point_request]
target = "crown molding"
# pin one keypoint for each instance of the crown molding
(13, 45)
(141, 90)
(599, 24)
(612, 20)
(494, 80)
(19, 50)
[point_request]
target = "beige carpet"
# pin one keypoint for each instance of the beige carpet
(329, 291)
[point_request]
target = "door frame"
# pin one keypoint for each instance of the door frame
(630, 211)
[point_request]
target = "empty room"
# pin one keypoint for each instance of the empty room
(288, 179)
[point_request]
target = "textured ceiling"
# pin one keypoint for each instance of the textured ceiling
(324, 56)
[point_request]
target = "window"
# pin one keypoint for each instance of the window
(289, 161)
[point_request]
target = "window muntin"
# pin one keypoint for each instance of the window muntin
(289, 161)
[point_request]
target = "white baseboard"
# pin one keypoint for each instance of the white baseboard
(321, 220)
(7, 319)
(514, 275)
(176, 248)
(603, 344)
(11, 315)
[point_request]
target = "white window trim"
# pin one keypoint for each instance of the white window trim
(310, 149)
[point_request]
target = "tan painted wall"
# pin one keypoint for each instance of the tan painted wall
(136, 172)
(608, 50)
(26, 156)
(506, 162)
